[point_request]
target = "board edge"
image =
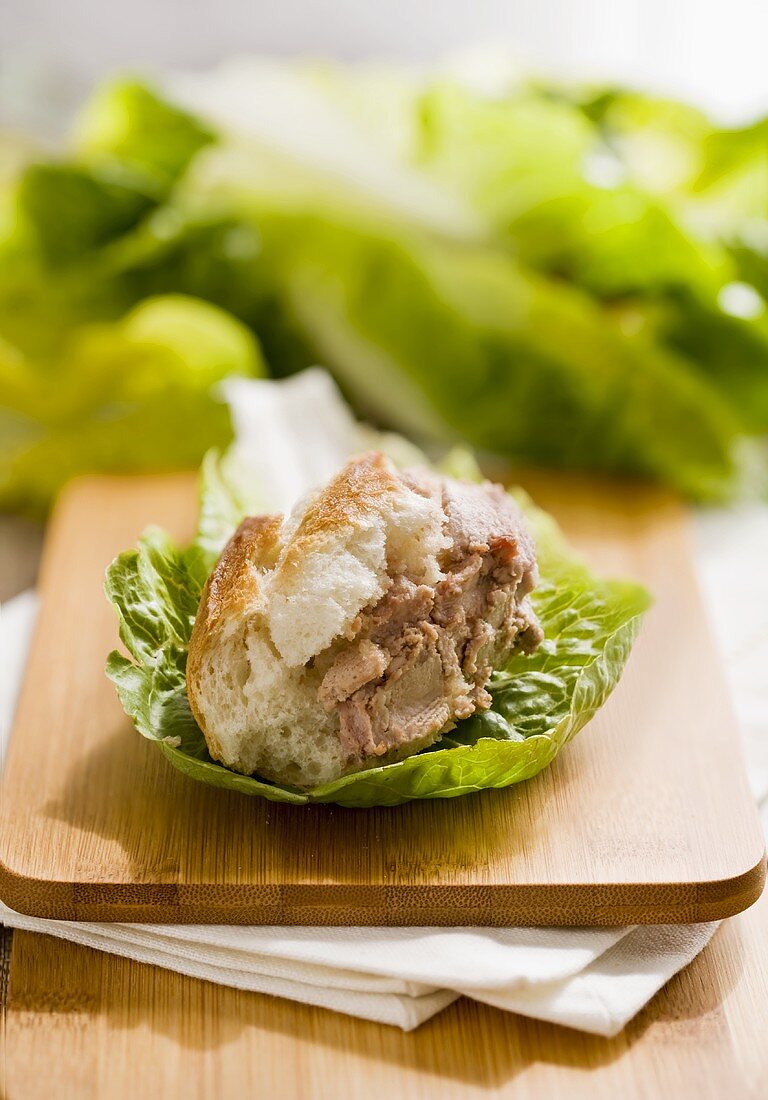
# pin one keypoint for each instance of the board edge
(299, 904)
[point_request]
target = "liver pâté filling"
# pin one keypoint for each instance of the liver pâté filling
(423, 655)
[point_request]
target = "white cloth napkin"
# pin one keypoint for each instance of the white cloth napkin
(592, 979)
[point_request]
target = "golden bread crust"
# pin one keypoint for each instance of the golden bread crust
(351, 495)
(231, 588)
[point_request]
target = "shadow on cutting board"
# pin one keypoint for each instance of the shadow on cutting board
(156, 825)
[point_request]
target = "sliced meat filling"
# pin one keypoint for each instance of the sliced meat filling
(420, 659)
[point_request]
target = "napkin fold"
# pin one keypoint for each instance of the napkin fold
(591, 979)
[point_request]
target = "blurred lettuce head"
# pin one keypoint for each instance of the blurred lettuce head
(473, 260)
(129, 123)
(205, 343)
(133, 395)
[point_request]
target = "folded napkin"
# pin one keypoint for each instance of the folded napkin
(297, 432)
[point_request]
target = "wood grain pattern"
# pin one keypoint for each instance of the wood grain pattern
(85, 1026)
(646, 817)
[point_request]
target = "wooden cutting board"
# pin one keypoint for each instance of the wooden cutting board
(645, 818)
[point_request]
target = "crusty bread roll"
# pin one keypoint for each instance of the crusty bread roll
(358, 629)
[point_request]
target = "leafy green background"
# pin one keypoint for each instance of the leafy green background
(543, 273)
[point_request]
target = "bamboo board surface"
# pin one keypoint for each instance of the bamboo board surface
(81, 1025)
(645, 817)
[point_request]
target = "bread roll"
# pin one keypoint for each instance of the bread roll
(362, 626)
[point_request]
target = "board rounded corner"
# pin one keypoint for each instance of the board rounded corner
(721, 898)
(30, 895)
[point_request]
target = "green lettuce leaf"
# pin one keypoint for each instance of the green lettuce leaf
(446, 342)
(539, 701)
(70, 209)
(135, 395)
(660, 141)
(749, 249)
(549, 184)
(128, 122)
(731, 351)
(60, 217)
